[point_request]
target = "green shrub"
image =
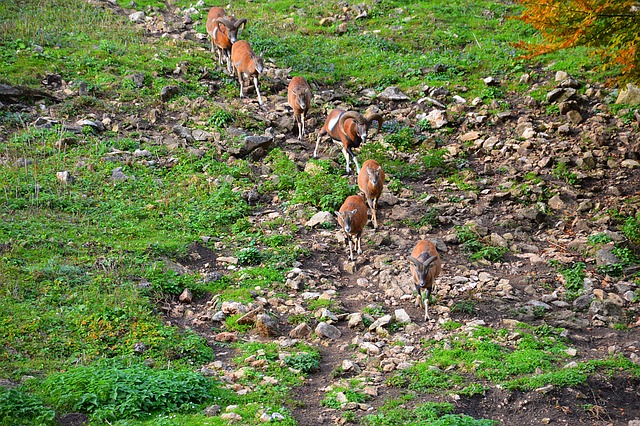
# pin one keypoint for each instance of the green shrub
(561, 171)
(20, 408)
(434, 158)
(110, 390)
(322, 188)
(219, 119)
(574, 279)
(631, 229)
(395, 413)
(403, 140)
(304, 361)
(249, 256)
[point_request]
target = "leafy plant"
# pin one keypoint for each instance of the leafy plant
(219, 118)
(250, 256)
(561, 171)
(304, 361)
(19, 407)
(110, 390)
(471, 244)
(330, 400)
(402, 140)
(395, 413)
(434, 158)
(631, 228)
(574, 279)
(322, 188)
(597, 239)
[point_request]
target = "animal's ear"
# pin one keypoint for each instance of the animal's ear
(354, 211)
(338, 214)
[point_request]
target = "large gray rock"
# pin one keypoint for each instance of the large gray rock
(267, 326)
(327, 330)
(393, 94)
(320, 218)
(250, 144)
(300, 331)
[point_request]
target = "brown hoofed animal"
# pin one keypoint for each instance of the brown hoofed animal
(246, 64)
(352, 217)
(223, 31)
(425, 267)
(349, 128)
(371, 181)
(299, 97)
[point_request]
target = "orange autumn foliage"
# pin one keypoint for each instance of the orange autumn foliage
(610, 27)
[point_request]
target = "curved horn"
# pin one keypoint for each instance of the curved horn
(226, 22)
(242, 22)
(374, 117)
(415, 261)
(429, 261)
(353, 115)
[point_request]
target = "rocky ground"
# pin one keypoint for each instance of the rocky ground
(540, 223)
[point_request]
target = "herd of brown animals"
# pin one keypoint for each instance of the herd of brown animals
(348, 128)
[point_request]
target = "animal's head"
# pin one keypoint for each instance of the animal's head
(258, 63)
(374, 175)
(362, 123)
(421, 270)
(235, 27)
(345, 218)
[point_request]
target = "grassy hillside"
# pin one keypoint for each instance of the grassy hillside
(87, 266)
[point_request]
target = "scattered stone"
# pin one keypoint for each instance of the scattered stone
(186, 296)
(380, 322)
(393, 94)
(327, 330)
(137, 79)
(137, 17)
(490, 81)
(401, 316)
(437, 118)
(65, 177)
(630, 164)
(232, 417)
(300, 331)
(212, 410)
(320, 218)
(117, 174)
(629, 95)
(226, 336)
(267, 326)
(169, 92)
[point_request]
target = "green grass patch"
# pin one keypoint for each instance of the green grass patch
(531, 358)
(394, 413)
(477, 250)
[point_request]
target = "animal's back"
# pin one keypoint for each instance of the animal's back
(214, 12)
